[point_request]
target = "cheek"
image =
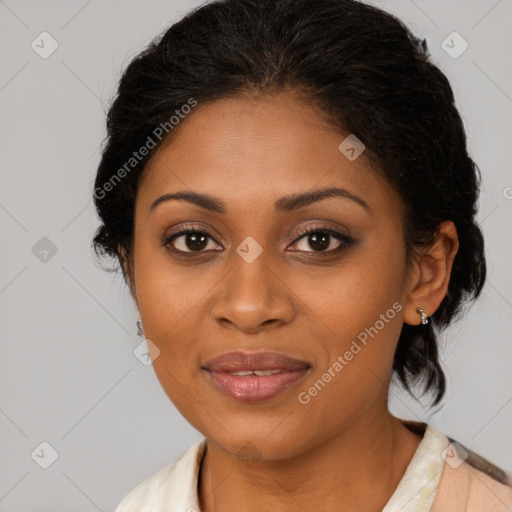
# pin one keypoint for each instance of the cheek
(358, 368)
(365, 289)
(360, 313)
(167, 301)
(171, 310)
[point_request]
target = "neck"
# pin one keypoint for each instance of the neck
(358, 468)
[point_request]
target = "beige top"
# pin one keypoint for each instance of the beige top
(442, 476)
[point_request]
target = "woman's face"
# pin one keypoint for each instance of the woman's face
(256, 283)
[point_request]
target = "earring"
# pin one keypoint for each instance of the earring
(424, 317)
(140, 332)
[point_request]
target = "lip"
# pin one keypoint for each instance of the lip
(254, 388)
(245, 361)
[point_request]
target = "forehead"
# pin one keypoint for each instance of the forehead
(258, 148)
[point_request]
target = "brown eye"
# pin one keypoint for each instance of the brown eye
(190, 241)
(319, 242)
(322, 241)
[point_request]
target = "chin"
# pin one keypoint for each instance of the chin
(255, 443)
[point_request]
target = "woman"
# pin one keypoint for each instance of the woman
(287, 189)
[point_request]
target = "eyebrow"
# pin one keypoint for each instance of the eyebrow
(284, 204)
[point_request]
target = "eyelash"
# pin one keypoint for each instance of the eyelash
(324, 230)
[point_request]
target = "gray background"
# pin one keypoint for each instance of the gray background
(68, 375)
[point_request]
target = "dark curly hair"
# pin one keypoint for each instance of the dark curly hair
(366, 73)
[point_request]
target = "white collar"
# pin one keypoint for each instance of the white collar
(418, 487)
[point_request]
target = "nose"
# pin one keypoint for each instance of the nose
(252, 296)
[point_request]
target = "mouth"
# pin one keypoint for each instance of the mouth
(254, 377)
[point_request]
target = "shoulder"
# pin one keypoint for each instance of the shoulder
(471, 483)
(173, 486)
(147, 493)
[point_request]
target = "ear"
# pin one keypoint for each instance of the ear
(128, 274)
(431, 274)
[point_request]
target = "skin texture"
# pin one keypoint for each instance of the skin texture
(343, 450)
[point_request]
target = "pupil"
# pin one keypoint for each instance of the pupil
(321, 241)
(196, 242)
